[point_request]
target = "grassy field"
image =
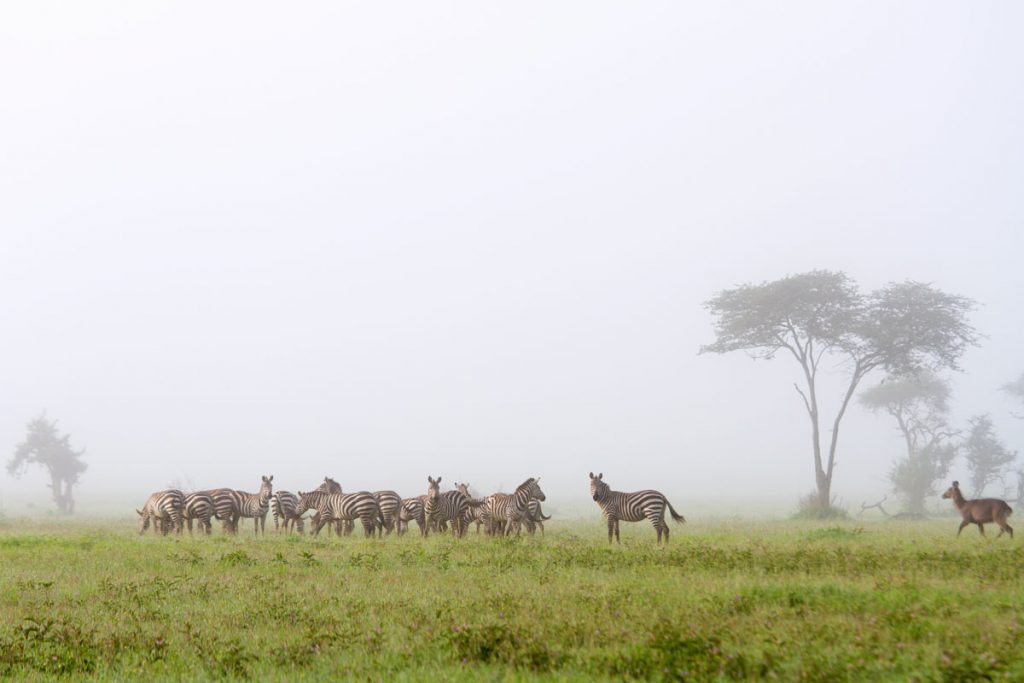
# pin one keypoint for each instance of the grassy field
(732, 600)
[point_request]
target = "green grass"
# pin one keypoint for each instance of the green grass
(726, 601)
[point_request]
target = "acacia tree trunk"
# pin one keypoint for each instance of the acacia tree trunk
(61, 494)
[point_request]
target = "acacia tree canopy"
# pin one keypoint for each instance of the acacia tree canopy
(902, 328)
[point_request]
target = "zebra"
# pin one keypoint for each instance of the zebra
(229, 505)
(390, 504)
(163, 509)
(283, 504)
(474, 513)
(448, 506)
(329, 486)
(412, 509)
(225, 508)
(335, 507)
(535, 517)
(198, 506)
(511, 508)
(631, 507)
(256, 505)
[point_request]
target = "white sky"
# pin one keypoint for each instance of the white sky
(386, 240)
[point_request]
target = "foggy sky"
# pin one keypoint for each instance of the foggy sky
(472, 239)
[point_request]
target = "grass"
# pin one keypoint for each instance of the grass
(90, 600)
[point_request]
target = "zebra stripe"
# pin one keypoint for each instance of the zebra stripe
(163, 509)
(631, 507)
(198, 506)
(283, 504)
(442, 507)
(336, 507)
(511, 508)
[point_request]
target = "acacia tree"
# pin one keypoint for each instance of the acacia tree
(920, 406)
(987, 457)
(43, 445)
(821, 316)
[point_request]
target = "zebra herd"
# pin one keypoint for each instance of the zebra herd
(382, 512)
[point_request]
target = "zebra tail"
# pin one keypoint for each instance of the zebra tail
(676, 516)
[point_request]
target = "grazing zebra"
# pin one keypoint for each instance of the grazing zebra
(163, 509)
(474, 513)
(336, 507)
(631, 507)
(511, 508)
(442, 507)
(412, 509)
(389, 503)
(283, 505)
(198, 506)
(535, 517)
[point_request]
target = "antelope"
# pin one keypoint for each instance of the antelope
(981, 511)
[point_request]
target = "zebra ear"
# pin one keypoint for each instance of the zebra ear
(591, 475)
(956, 483)
(139, 511)
(439, 480)
(600, 475)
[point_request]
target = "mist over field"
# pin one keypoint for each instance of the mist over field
(381, 243)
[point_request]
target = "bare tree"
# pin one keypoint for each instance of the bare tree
(987, 457)
(902, 328)
(43, 445)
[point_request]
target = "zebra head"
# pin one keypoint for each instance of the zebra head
(433, 493)
(329, 486)
(463, 488)
(305, 502)
(598, 489)
(266, 489)
(143, 521)
(531, 488)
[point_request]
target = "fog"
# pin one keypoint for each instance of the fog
(473, 239)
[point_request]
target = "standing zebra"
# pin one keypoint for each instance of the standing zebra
(631, 507)
(511, 508)
(283, 504)
(230, 505)
(412, 509)
(389, 503)
(474, 513)
(163, 509)
(198, 506)
(225, 508)
(256, 505)
(448, 506)
(337, 507)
